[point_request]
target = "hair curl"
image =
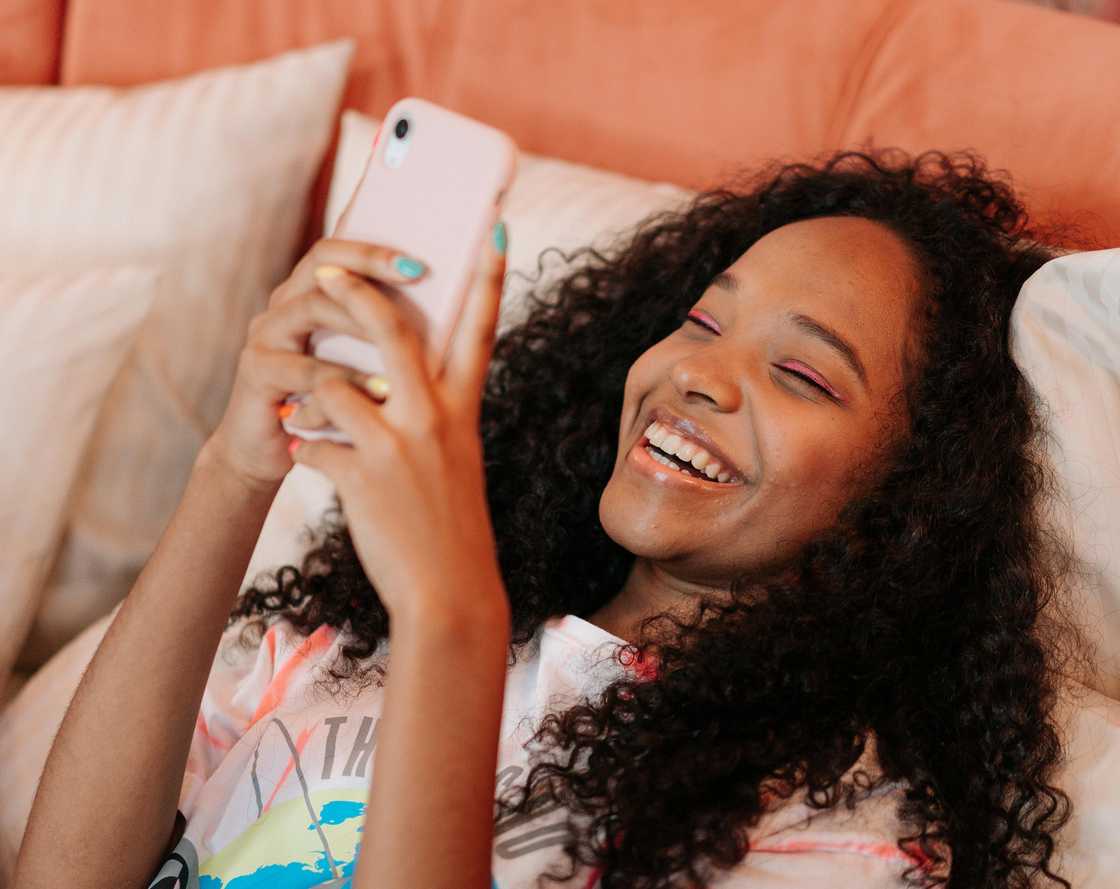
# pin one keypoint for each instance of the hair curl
(921, 618)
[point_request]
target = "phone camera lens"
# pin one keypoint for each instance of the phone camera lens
(401, 129)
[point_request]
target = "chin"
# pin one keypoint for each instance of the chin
(641, 528)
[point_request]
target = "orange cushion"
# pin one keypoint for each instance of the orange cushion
(30, 41)
(1037, 90)
(688, 93)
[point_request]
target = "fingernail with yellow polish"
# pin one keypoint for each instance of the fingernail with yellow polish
(377, 386)
(327, 272)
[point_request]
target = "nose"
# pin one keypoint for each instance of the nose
(705, 376)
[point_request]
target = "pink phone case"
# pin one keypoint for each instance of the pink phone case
(434, 194)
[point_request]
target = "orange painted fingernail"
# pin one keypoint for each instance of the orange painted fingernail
(286, 410)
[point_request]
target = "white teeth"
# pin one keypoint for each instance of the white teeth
(684, 450)
(661, 458)
(666, 442)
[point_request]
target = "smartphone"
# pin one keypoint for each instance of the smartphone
(433, 187)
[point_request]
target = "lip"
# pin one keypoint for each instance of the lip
(691, 429)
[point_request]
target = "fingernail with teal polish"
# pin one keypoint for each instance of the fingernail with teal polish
(409, 267)
(500, 236)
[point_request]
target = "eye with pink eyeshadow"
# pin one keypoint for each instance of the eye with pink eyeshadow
(811, 377)
(796, 368)
(704, 320)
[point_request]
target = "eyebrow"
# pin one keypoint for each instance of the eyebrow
(811, 326)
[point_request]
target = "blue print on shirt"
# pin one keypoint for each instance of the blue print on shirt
(249, 862)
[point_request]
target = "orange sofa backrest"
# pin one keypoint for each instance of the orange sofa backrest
(30, 41)
(689, 92)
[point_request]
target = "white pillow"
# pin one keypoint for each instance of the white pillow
(1065, 335)
(207, 177)
(1088, 854)
(63, 338)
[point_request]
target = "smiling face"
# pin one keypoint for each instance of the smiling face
(790, 365)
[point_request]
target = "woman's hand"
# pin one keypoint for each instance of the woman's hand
(249, 439)
(412, 483)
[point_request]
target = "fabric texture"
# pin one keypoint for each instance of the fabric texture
(279, 771)
(208, 179)
(1065, 335)
(636, 87)
(30, 40)
(63, 338)
(1088, 854)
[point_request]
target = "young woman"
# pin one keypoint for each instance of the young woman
(726, 563)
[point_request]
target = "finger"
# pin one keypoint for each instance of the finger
(469, 356)
(377, 261)
(305, 414)
(338, 462)
(278, 373)
(354, 413)
(289, 324)
(385, 324)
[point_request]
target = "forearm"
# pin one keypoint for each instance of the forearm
(430, 816)
(106, 802)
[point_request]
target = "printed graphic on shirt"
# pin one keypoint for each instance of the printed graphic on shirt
(313, 839)
(180, 871)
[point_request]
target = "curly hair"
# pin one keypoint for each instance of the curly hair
(923, 618)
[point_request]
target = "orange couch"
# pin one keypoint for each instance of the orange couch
(665, 90)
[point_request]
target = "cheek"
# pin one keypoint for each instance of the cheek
(809, 465)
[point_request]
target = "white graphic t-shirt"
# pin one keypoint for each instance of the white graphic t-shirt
(279, 772)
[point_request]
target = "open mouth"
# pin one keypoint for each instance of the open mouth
(681, 467)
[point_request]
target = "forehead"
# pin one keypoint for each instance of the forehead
(850, 273)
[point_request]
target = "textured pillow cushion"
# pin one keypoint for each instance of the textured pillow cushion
(1065, 335)
(208, 178)
(1088, 854)
(63, 338)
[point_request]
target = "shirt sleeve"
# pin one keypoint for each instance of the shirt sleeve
(239, 679)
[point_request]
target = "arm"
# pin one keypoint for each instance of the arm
(120, 753)
(430, 817)
(412, 485)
